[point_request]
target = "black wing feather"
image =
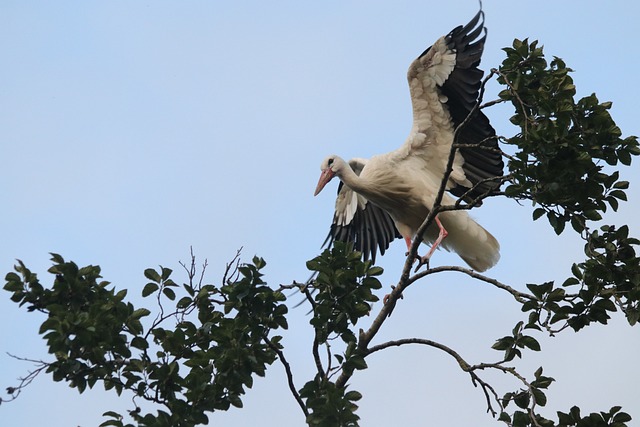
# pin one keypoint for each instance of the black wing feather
(370, 230)
(462, 91)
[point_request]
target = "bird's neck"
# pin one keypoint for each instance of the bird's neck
(355, 182)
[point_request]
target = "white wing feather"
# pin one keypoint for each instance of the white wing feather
(431, 135)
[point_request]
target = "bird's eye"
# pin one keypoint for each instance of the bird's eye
(329, 162)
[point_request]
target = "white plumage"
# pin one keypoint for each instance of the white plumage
(397, 190)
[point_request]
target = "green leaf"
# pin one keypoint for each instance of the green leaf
(537, 213)
(139, 343)
(622, 185)
(577, 272)
(166, 272)
(522, 400)
(529, 342)
(503, 343)
(520, 419)
(565, 419)
(13, 285)
(625, 157)
(621, 417)
(353, 396)
(539, 396)
(184, 302)
(169, 293)
(357, 362)
(12, 277)
(149, 289)
(153, 275)
(539, 290)
(593, 215)
(375, 271)
(56, 258)
(235, 401)
(619, 194)
(140, 312)
(504, 417)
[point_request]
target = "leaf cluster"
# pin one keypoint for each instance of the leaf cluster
(563, 144)
(196, 358)
(330, 405)
(573, 418)
(342, 295)
(87, 326)
(512, 345)
(612, 418)
(343, 288)
(526, 400)
(608, 280)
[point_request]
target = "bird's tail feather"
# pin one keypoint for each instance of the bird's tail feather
(475, 245)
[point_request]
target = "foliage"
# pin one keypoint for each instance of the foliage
(562, 143)
(219, 338)
(197, 347)
(330, 405)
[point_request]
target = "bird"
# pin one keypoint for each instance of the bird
(390, 195)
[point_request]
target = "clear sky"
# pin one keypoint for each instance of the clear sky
(130, 131)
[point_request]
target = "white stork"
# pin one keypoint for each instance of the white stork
(396, 191)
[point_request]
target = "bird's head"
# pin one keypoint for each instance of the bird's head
(330, 167)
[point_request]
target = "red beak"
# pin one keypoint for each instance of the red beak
(325, 177)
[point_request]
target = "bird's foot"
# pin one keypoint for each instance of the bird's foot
(422, 260)
(385, 299)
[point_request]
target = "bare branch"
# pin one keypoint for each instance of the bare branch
(396, 343)
(26, 380)
(492, 103)
(521, 297)
(316, 356)
(205, 264)
(517, 96)
(231, 270)
(316, 342)
(478, 200)
(287, 368)
(489, 392)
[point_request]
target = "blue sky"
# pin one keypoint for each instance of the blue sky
(131, 131)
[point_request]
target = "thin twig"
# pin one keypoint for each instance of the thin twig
(492, 103)
(514, 92)
(287, 368)
(316, 356)
(229, 276)
(26, 380)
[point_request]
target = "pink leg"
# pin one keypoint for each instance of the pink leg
(407, 240)
(441, 236)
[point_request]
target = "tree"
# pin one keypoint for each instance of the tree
(198, 347)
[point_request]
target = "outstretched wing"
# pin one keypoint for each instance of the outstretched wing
(444, 82)
(359, 221)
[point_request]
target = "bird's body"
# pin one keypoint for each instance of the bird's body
(444, 83)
